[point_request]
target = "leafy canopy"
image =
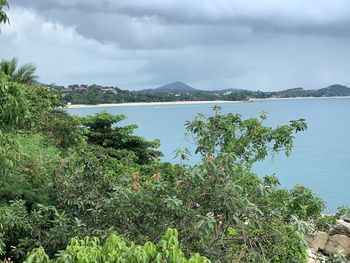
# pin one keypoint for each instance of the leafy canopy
(102, 130)
(247, 141)
(71, 177)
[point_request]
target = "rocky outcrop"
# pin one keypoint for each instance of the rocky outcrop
(342, 228)
(315, 257)
(317, 241)
(323, 244)
(337, 244)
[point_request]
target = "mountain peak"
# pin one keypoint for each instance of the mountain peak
(174, 87)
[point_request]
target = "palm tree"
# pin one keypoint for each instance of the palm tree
(24, 74)
(3, 17)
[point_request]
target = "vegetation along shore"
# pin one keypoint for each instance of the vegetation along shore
(87, 189)
(76, 106)
(180, 92)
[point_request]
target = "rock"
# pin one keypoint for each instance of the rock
(311, 260)
(346, 219)
(337, 243)
(318, 241)
(313, 257)
(342, 227)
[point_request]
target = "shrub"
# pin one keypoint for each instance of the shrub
(118, 249)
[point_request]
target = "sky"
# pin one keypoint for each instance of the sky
(209, 44)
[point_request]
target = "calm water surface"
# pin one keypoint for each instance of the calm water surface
(321, 155)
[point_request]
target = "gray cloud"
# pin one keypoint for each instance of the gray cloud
(209, 44)
(260, 15)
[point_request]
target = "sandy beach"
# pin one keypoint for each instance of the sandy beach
(77, 106)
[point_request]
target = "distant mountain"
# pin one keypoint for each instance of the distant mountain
(333, 90)
(288, 91)
(175, 87)
(296, 92)
(180, 87)
(330, 91)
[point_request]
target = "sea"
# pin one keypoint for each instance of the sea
(320, 158)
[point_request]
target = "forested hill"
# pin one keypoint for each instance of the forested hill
(176, 86)
(179, 91)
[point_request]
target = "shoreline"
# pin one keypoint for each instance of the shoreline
(301, 98)
(77, 106)
(128, 104)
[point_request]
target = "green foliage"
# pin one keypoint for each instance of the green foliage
(24, 74)
(336, 258)
(62, 129)
(94, 94)
(108, 194)
(21, 230)
(343, 211)
(14, 224)
(182, 153)
(218, 196)
(304, 203)
(89, 176)
(325, 222)
(102, 130)
(29, 179)
(118, 249)
(14, 107)
(9, 153)
(13, 113)
(247, 140)
(3, 16)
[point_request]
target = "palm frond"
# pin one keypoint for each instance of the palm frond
(3, 16)
(9, 66)
(26, 74)
(60, 114)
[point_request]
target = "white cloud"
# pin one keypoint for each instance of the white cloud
(61, 54)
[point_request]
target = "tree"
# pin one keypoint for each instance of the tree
(227, 212)
(24, 74)
(119, 141)
(13, 113)
(3, 16)
(247, 141)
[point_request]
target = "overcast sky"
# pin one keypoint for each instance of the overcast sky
(209, 44)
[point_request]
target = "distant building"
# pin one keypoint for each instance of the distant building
(109, 90)
(78, 88)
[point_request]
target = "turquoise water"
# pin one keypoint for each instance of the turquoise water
(321, 155)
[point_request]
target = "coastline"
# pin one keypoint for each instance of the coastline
(128, 104)
(78, 106)
(301, 98)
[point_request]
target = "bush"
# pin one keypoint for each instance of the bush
(325, 222)
(118, 249)
(343, 211)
